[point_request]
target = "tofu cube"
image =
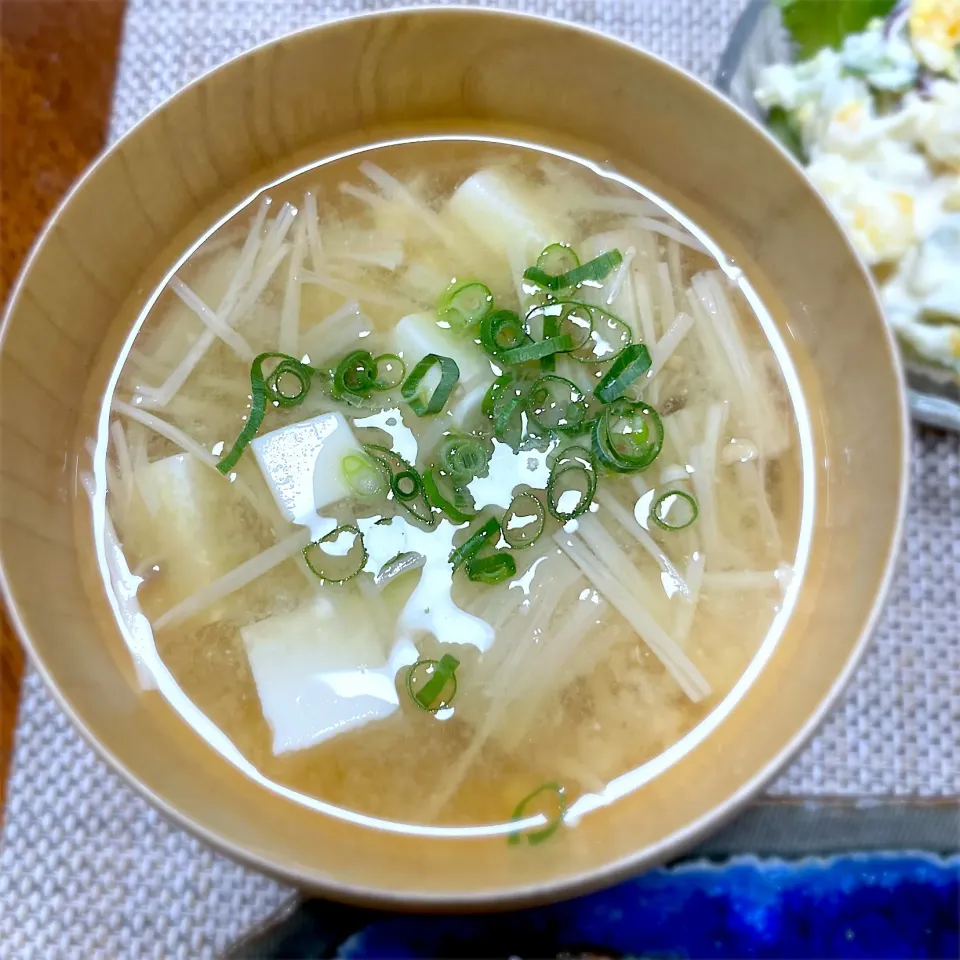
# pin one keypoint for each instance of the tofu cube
(301, 464)
(320, 670)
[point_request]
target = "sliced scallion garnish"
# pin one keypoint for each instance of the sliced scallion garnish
(484, 534)
(555, 403)
(566, 500)
(495, 568)
(558, 259)
(593, 271)
(432, 684)
(607, 334)
(674, 510)
(523, 523)
(502, 330)
(289, 370)
(433, 477)
(355, 374)
(556, 795)
(259, 389)
(449, 375)
(465, 304)
(627, 436)
(537, 350)
(390, 371)
(631, 364)
(346, 545)
(406, 484)
(365, 476)
(463, 458)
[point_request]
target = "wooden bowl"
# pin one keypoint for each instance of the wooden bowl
(444, 71)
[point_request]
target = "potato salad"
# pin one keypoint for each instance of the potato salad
(876, 121)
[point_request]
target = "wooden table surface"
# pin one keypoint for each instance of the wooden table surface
(57, 64)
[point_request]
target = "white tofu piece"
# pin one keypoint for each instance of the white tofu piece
(320, 670)
(301, 464)
(500, 212)
(418, 334)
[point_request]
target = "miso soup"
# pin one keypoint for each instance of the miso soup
(450, 481)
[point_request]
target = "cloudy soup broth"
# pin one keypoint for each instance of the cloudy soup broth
(450, 481)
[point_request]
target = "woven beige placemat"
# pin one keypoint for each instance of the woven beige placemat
(89, 869)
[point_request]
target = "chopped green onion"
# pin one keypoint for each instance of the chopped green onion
(439, 685)
(502, 330)
(593, 271)
(286, 369)
(522, 529)
(682, 505)
(258, 406)
(394, 370)
(538, 350)
(355, 374)
(465, 304)
(628, 436)
(351, 567)
(406, 484)
(476, 541)
(550, 411)
(631, 364)
(436, 497)
(491, 398)
(463, 458)
(366, 477)
(558, 259)
(496, 568)
(449, 375)
(607, 334)
(554, 819)
(541, 278)
(574, 464)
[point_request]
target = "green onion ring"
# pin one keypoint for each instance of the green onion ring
(258, 405)
(438, 499)
(586, 352)
(357, 469)
(593, 271)
(553, 823)
(442, 673)
(463, 458)
(449, 375)
(391, 359)
(416, 504)
(477, 540)
(538, 350)
(333, 535)
(558, 259)
(645, 443)
(496, 568)
(631, 363)
(570, 416)
(579, 462)
(465, 304)
(355, 374)
(519, 542)
(498, 324)
(657, 515)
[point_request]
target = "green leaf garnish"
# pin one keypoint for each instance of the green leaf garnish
(815, 24)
